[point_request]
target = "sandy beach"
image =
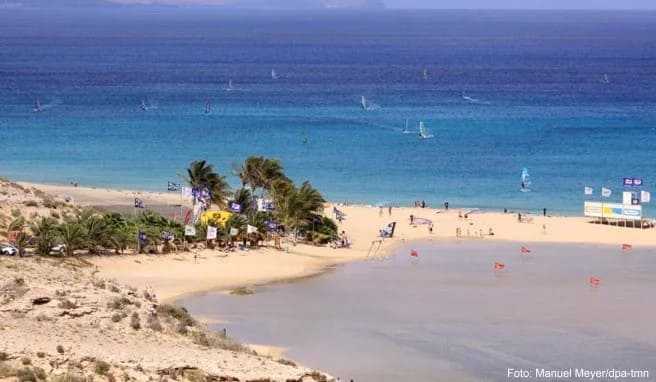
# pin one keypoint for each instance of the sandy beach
(173, 276)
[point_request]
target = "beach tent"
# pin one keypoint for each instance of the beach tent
(220, 217)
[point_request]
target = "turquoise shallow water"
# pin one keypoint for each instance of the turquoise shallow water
(540, 100)
(448, 316)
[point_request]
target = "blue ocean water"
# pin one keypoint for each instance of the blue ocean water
(569, 95)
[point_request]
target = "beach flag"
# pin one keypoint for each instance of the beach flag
(251, 229)
(594, 281)
(645, 196)
(499, 266)
(187, 192)
(627, 247)
(235, 207)
(588, 190)
(414, 253)
(211, 232)
(524, 250)
(138, 203)
(173, 186)
(606, 192)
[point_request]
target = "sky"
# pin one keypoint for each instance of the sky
(524, 4)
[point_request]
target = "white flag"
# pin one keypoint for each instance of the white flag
(645, 196)
(234, 232)
(605, 192)
(186, 192)
(251, 229)
(211, 233)
(589, 190)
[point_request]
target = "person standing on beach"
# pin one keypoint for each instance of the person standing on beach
(412, 219)
(544, 212)
(389, 210)
(446, 205)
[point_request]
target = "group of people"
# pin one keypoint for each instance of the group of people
(420, 204)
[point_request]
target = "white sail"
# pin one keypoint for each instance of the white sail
(208, 106)
(424, 133)
(37, 106)
(363, 103)
(274, 75)
(405, 129)
(230, 86)
(526, 180)
(425, 74)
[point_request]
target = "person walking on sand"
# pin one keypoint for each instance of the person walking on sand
(544, 212)
(430, 228)
(380, 211)
(412, 219)
(446, 205)
(389, 210)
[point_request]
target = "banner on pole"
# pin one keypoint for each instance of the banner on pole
(645, 196)
(632, 182)
(606, 192)
(588, 190)
(612, 211)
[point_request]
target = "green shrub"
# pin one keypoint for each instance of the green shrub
(102, 367)
(135, 321)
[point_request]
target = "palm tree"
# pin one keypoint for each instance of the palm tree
(201, 175)
(261, 172)
(96, 228)
(244, 198)
(21, 242)
(45, 234)
(299, 207)
(72, 235)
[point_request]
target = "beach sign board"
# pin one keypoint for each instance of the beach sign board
(613, 211)
(645, 196)
(211, 232)
(190, 230)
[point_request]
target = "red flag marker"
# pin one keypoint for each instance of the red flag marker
(499, 266)
(414, 253)
(524, 250)
(595, 281)
(626, 247)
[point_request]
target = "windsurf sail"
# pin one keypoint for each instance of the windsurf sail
(37, 106)
(606, 79)
(363, 103)
(230, 86)
(526, 181)
(274, 75)
(208, 106)
(424, 133)
(425, 74)
(143, 105)
(405, 129)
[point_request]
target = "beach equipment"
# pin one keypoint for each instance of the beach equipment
(211, 232)
(594, 281)
(499, 266)
(387, 231)
(138, 203)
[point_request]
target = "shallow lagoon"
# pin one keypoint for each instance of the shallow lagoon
(448, 315)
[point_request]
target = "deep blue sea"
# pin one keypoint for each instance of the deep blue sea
(569, 95)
